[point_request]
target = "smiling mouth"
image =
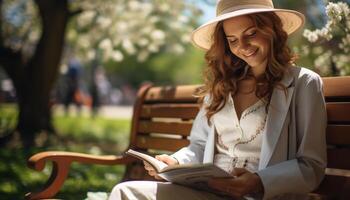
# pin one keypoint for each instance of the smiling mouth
(252, 53)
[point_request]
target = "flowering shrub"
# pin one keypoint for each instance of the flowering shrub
(109, 29)
(116, 28)
(331, 43)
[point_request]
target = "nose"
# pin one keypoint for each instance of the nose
(243, 46)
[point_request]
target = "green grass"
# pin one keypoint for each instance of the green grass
(79, 134)
(8, 117)
(110, 135)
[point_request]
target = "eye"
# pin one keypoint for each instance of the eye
(232, 41)
(252, 33)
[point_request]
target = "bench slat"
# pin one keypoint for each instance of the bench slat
(167, 144)
(338, 134)
(183, 111)
(335, 187)
(177, 128)
(336, 86)
(338, 158)
(170, 94)
(338, 112)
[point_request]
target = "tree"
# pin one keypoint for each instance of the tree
(31, 45)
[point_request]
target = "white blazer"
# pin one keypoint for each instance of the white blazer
(293, 152)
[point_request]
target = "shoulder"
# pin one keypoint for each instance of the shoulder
(306, 78)
(304, 75)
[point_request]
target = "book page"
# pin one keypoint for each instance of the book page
(196, 176)
(156, 164)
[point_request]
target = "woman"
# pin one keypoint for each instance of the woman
(262, 119)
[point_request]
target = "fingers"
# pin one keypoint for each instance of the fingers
(164, 158)
(242, 184)
(239, 171)
(149, 169)
(167, 159)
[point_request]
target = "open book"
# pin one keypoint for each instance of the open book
(192, 175)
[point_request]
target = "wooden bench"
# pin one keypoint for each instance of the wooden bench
(162, 120)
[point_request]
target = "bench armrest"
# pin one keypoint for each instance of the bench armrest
(61, 162)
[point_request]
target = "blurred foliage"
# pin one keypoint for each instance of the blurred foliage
(160, 69)
(108, 134)
(8, 118)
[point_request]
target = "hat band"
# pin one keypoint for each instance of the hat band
(235, 8)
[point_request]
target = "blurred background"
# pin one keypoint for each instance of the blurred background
(70, 70)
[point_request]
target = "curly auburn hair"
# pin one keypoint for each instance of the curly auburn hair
(224, 69)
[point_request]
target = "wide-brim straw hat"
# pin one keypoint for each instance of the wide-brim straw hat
(225, 9)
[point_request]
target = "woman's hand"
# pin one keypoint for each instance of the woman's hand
(164, 158)
(244, 183)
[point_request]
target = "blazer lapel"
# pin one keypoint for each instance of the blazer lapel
(277, 113)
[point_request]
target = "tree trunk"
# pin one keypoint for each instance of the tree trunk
(38, 76)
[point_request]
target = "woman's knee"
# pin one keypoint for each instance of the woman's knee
(116, 193)
(133, 190)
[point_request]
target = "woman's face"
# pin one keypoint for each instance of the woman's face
(247, 43)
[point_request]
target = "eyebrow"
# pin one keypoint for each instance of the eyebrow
(243, 31)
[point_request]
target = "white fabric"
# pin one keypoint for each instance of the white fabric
(150, 190)
(242, 143)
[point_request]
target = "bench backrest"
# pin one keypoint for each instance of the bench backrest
(337, 181)
(163, 118)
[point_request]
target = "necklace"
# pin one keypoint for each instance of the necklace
(258, 131)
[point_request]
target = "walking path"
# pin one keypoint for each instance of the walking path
(111, 112)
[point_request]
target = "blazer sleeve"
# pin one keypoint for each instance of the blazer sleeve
(305, 172)
(199, 133)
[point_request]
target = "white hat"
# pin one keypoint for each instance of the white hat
(202, 36)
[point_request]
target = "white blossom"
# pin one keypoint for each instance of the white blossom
(91, 54)
(178, 49)
(158, 35)
(164, 7)
(86, 18)
(104, 22)
(186, 38)
(134, 5)
(183, 19)
(154, 19)
(142, 56)
(84, 41)
(143, 42)
(310, 35)
(121, 26)
(106, 44)
(128, 47)
(117, 56)
(153, 47)
(323, 61)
